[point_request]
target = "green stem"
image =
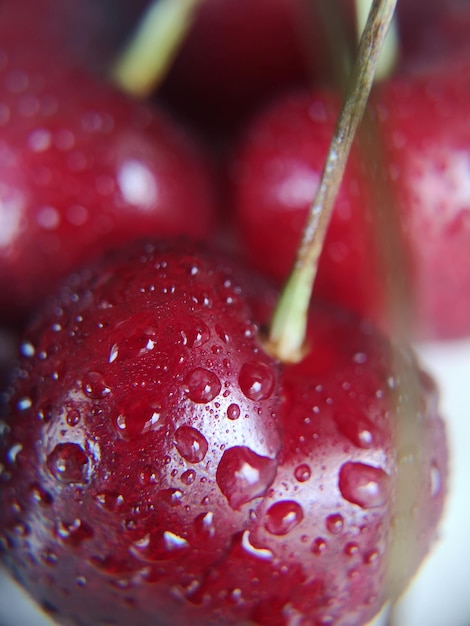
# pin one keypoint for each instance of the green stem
(289, 323)
(389, 54)
(147, 57)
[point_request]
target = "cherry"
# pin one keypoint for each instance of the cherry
(422, 123)
(163, 472)
(318, 547)
(274, 173)
(156, 437)
(216, 81)
(84, 169)
(173, 469)
(427, 147)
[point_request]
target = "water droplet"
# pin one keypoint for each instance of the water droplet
(256, 380)
(138, 416)
(302, 472)
(364, 485)
(13, 452)
(195, 333)
(48, 557)
(188, 477)
(40, 495)
(319, 546)
(191, 444)
(284, 516)
(260, 553)
(27, 349)
(73, 417)
(350, 549)
(204, 524)
(147, 476)
(225, 337)
(94, 386)
(170, 496)
(358, 429)
(159, 546)
(24, 404)
(202, 385)
(68, 463)
(243, 475)
(371, 557)
(335, 523)
(233, 412)
(74, 533)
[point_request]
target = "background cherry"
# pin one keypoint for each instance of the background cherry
(85, 169)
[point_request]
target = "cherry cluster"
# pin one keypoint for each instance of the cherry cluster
(159, 463)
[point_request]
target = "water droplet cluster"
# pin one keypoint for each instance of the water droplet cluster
(156, 454)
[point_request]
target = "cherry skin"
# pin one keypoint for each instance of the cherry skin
(422, 124)
(216, 82)
(157, 436)
(427, 149)
(171, 471)
(318, 547)
(273, 177)
(85, 169)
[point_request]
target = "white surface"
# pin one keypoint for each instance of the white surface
(440, 595)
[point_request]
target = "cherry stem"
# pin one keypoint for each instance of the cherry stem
(288, 329)
(148, 56)
(390, 50)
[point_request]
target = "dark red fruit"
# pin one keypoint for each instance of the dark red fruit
(216, 81)
(427, 149)
(157, 466)
(83, 169)
(274, 176)
(425, 135)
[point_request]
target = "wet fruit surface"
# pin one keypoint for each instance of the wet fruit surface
(83, 169)
(157, 462)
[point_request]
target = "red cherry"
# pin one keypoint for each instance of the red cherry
(318, 546)
(172, 471)
(274, 175)
(427, 147)
(216, 81)
(83, 170)
(423, 125)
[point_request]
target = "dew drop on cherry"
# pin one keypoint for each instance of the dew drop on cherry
(40, 495)
(204, 524)
(319, 546)
(202, 385)
(68, 463)
(191, 444)
(358, 429)
(302, 472)
(159, 546)
(283, 516)
(188, 477)
(72, 418)
(111, 501)
(351, 548)
(335, 523)
(74, 533)
(365, 485)
(243, 475)
(94, 386)
(233, 412)
(256, 380)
